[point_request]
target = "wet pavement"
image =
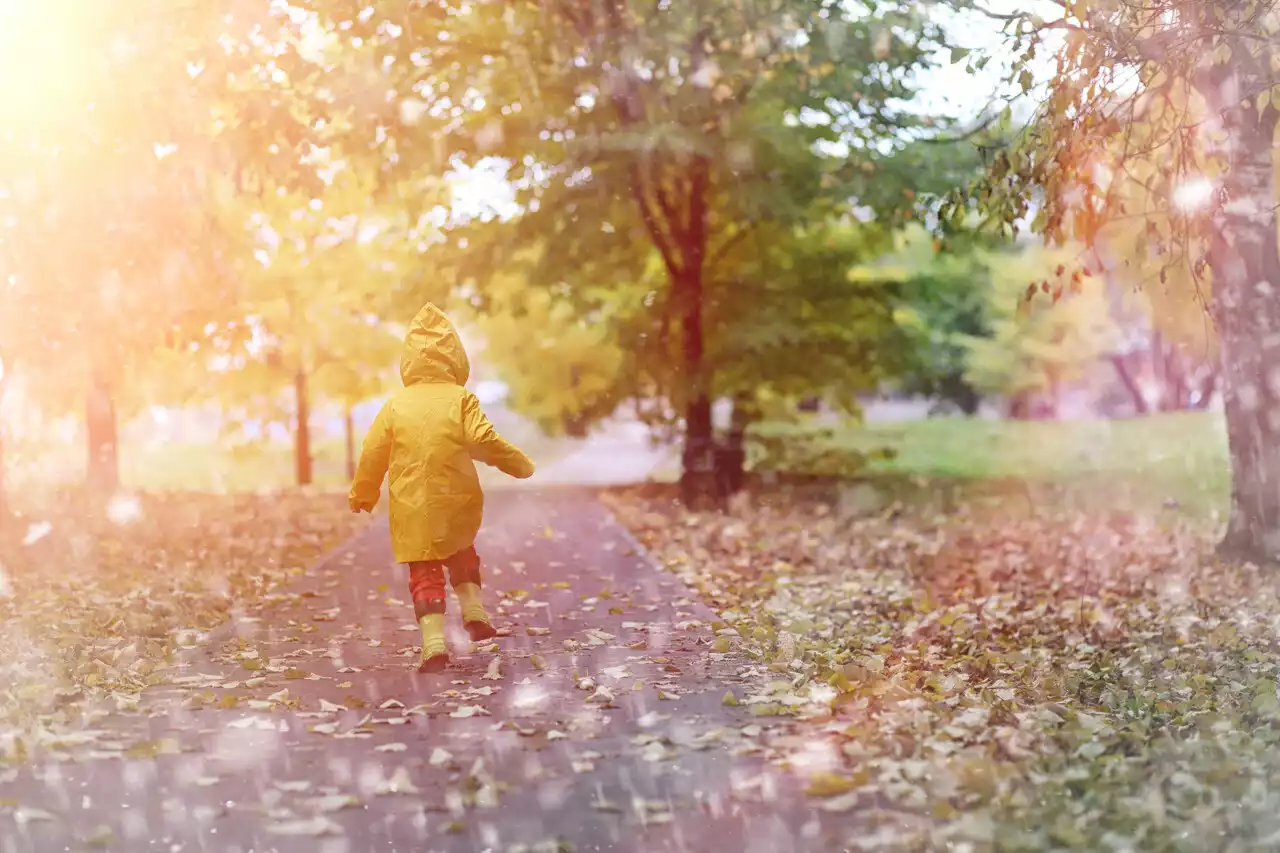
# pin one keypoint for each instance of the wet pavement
(598, 723)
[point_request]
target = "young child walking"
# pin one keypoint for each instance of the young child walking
(426, 437)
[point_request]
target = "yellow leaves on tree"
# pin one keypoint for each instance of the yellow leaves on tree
(1038, 343)
(317, 274)
(561, 367)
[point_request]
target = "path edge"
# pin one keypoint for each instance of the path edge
(225, 630)
(648, 556)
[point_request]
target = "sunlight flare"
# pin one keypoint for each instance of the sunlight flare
(1193, 194)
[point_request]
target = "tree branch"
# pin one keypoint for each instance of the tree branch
(724, 248)
(668, 210)
(968, 134)
(660, 238)
(696, 234)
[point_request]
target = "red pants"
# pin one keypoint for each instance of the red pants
(426, 579)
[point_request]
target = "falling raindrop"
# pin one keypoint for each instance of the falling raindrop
(124, 509)
(37, 531)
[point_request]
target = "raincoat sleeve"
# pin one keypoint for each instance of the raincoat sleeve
(485, 445)
(374, 459)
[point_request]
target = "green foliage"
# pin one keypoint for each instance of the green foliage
(315, 277)
(562, 368)
(680, 173)
(788, 320)
(1036, 344)
(940, 304)
(793, 449)
(973, 325)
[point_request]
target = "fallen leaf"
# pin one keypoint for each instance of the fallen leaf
(399, 783)
(332, 803)
(828, 785)
(102, 836)
(494, 672)
(313, 827)
(30, 814)
(840, 803)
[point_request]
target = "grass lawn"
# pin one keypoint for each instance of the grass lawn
(192, 467)
(1140, 463)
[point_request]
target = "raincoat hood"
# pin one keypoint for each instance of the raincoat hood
(433, 352)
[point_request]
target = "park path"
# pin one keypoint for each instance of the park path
(617, 452)
(302, 726)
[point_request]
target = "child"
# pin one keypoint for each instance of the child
(426, 435)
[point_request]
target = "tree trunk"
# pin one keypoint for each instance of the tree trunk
(1053, 396)
(1246, 287)
(1177, 394)
(1130, 383)
(1158, 365)
(302, 429)
(349, 430)
(697, 480)
(1207, 386)
(103, 470)
(731, 470)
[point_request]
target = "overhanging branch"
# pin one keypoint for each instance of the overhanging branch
(661, 239)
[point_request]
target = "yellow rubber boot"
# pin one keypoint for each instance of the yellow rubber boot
(474, 617)
(435, 652)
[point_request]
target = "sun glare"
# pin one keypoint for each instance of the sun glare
(43, 47)
(1193, 194)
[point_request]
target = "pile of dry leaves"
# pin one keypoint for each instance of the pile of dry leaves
(93, 604)
(1002, 680)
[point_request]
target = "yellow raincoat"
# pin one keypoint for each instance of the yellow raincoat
(427, 436)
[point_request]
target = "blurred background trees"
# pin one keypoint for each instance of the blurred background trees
(651, 213)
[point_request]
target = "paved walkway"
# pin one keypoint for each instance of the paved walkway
(616, 453)
(596, 725)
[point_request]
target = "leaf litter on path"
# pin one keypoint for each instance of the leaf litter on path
(995, 668)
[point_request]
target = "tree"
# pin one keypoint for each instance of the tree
(564, 369)
(1179, 99)
(1036, 345)
(673, 130)
(316, 275)
(359, 365)
(796, 325)
(1184, 374)
(801, 324)
(109, 153)
(940, 302)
